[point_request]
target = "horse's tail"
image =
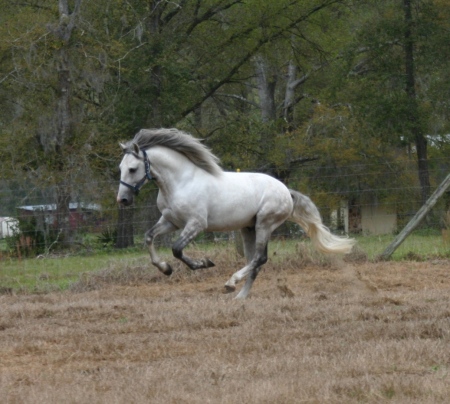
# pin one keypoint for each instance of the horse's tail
(306, 214)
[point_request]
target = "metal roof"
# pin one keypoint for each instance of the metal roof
(52, 207)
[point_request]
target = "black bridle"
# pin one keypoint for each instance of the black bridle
(136, 188)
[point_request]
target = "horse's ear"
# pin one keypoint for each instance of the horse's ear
(136, 148)
(123, 147)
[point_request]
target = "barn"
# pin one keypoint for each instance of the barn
(81, 214)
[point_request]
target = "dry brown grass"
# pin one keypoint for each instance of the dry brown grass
(339, 332)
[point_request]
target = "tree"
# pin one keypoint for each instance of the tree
(63, 132)
(412, 109)
(42, 70)
(393, 65)
(261, 101)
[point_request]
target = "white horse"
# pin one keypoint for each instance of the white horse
(195, 195)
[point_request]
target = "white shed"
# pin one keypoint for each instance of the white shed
(8, 225)
(367, 219)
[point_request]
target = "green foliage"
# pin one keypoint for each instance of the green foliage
(108, 237)
(375, 83)
(352, 164)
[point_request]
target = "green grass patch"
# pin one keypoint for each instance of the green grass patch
(39, 275)
(420, 245)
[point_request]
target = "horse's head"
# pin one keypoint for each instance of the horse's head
(134, 173)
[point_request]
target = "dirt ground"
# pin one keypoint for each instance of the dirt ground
(348, 332)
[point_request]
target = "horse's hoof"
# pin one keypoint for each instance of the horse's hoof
(229, 289)
(168, 270)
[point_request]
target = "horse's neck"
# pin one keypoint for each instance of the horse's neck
(170, 167)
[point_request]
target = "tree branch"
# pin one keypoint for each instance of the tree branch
(174, 12)
(244, 59)
(209, 14)
(238, 97)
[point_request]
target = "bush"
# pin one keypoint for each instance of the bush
(108, 237)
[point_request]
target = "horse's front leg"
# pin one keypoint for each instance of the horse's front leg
(191, 230)
(163, 226)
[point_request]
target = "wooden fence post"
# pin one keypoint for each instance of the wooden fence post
(421, 213)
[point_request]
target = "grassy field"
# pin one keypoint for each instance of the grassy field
(312, 331)
(58, 272)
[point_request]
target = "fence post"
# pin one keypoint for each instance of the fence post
(421, 213)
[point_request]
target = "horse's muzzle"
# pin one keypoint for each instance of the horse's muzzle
(124, 201)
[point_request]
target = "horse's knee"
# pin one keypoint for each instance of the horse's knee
(148, 237)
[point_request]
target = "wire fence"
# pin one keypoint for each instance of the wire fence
(364, 199)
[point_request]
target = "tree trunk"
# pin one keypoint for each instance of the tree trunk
(266, 88)
(289, 97)
(155, 116)
(413, 111)
(125, 237)
(65, 230)
(266, 81)
(63, 111)
(64, 119)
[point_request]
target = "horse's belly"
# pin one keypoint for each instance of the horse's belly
(231, 221)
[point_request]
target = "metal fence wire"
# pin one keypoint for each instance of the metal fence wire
(359, 199)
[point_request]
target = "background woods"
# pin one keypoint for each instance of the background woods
(345, 100)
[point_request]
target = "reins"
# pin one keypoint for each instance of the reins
(136, 188)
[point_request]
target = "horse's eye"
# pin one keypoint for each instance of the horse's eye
(132, 170)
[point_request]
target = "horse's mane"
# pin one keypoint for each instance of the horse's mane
(181, 142)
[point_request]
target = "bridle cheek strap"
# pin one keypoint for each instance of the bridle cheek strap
(136, 188)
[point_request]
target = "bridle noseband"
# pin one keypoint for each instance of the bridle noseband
(136, 188)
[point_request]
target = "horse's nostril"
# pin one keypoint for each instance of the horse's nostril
(124, 201)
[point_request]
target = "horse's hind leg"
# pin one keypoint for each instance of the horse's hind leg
(161, 227)
(192, 229)
(255, 245)
(270, 217)
(243, 293)
(249, 246)
(249, 239)
(251, 269)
